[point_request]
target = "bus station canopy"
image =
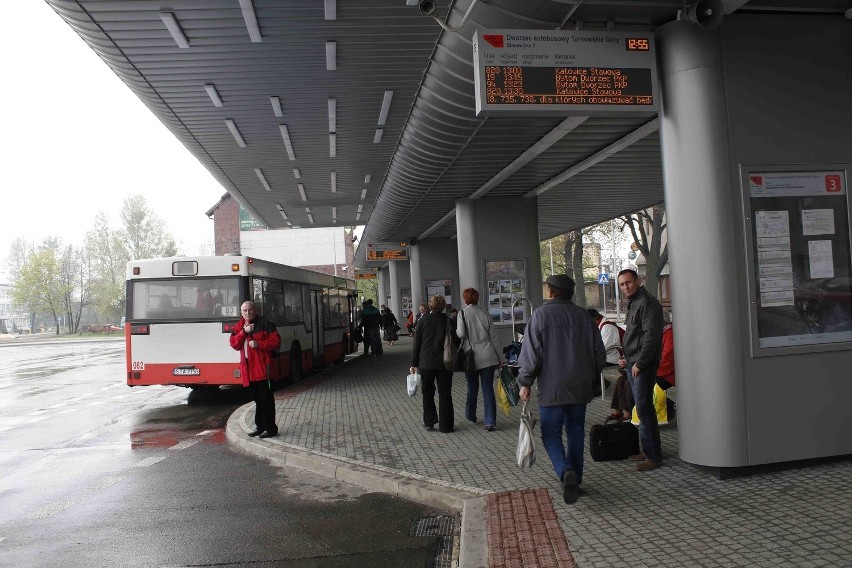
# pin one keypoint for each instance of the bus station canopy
(316, 113)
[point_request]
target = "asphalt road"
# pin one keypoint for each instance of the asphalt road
(94, 473)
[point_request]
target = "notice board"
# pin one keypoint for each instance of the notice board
(797, 229)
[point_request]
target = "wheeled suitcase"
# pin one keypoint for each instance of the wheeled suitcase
(613, 441)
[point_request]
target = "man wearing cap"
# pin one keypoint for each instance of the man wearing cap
(643, 347)
(563, 350)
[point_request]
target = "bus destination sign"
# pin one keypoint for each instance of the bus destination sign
(546, 73)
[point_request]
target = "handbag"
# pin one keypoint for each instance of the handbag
(526, 444)
(451, 350)
(510, 385)
(466, 361)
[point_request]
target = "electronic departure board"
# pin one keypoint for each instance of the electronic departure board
(387, 254)
(387, 251)
(561, 73)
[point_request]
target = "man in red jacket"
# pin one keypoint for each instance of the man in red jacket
(256, 338)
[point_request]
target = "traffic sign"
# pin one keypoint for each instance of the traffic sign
(603, 278)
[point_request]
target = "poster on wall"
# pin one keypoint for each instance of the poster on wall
(440, 288)
(800, 257)
(506, 281)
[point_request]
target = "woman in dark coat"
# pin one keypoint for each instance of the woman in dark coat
(389, 325)
(427, 358)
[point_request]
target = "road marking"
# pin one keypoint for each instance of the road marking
(5, 428)
(74, 399)
(2, 538)
(60, 405)
(107, 481)
(98, 402)
(119, 397)
(205, 432)
(149, 461)
(51, 509)
(39, 419)
(37, 412)
(183, 445)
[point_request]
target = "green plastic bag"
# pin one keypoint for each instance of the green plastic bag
(503, 400)
(510, 385)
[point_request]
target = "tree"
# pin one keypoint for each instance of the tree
(108, 260)
(144, 231)
(38, 283)
(142, 234)
(574, 264)
(19, 251)
(647, 227)
(73, 285)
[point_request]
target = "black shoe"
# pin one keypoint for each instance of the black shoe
(254, 433)
(570, 489)
(430, 427)
(269, 434)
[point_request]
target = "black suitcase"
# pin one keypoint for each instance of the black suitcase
(613, 441)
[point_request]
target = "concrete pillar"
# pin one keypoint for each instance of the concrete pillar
(418, 290)
(393, 287)
(498, 230)
(466, 240)
(382, 274)
(702, 221)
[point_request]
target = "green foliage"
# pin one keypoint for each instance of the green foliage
(37, 287)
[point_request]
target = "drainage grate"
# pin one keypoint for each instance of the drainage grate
(432, 526)
(444, 528)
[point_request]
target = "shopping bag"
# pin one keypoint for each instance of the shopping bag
(510, 385)
(411, 382)
(660, 406)
(526, 442)
(503, 400)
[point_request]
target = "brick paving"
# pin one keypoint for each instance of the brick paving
(671, 517)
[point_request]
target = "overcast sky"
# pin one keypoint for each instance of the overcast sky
(76, 140)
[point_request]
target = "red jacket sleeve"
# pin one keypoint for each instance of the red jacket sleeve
(238, 336)
(270, 341)
(667, 367)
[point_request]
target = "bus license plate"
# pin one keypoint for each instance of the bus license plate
(179, 372)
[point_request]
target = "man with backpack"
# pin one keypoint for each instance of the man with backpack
(612, 336)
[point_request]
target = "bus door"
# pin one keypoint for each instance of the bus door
(318, 325)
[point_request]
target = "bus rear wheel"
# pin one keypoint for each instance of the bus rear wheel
(295, 364)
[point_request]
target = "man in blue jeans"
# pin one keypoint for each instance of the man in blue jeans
(643, 347)
(562, 348)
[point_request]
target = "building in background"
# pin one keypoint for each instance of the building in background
(328, 250)
(11, 321)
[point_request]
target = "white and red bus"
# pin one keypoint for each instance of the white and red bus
(180, 312)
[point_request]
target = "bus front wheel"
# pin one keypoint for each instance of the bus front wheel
(295, 364)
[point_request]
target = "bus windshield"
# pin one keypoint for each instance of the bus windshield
(185, 299)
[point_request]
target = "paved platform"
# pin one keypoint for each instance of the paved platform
(356, 422)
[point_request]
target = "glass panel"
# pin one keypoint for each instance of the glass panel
(185, 299)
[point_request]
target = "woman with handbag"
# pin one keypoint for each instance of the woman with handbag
(389, 325)
(427, 358)
(481, 359)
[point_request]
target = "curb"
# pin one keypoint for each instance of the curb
(469, 501)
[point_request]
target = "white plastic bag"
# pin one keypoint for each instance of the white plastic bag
(526, 444)
(412, 381)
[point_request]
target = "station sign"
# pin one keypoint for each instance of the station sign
(387, 251)
(544, 73)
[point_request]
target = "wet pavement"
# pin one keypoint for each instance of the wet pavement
(356, 423)
(94, 473)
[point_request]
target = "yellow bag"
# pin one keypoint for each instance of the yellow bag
(503, 399)
(659, 406)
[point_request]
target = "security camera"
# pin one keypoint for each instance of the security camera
(427, 7)
(413, 241)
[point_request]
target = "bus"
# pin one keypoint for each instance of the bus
(180, 312)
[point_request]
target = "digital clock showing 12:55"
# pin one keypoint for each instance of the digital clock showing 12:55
(637, 44)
